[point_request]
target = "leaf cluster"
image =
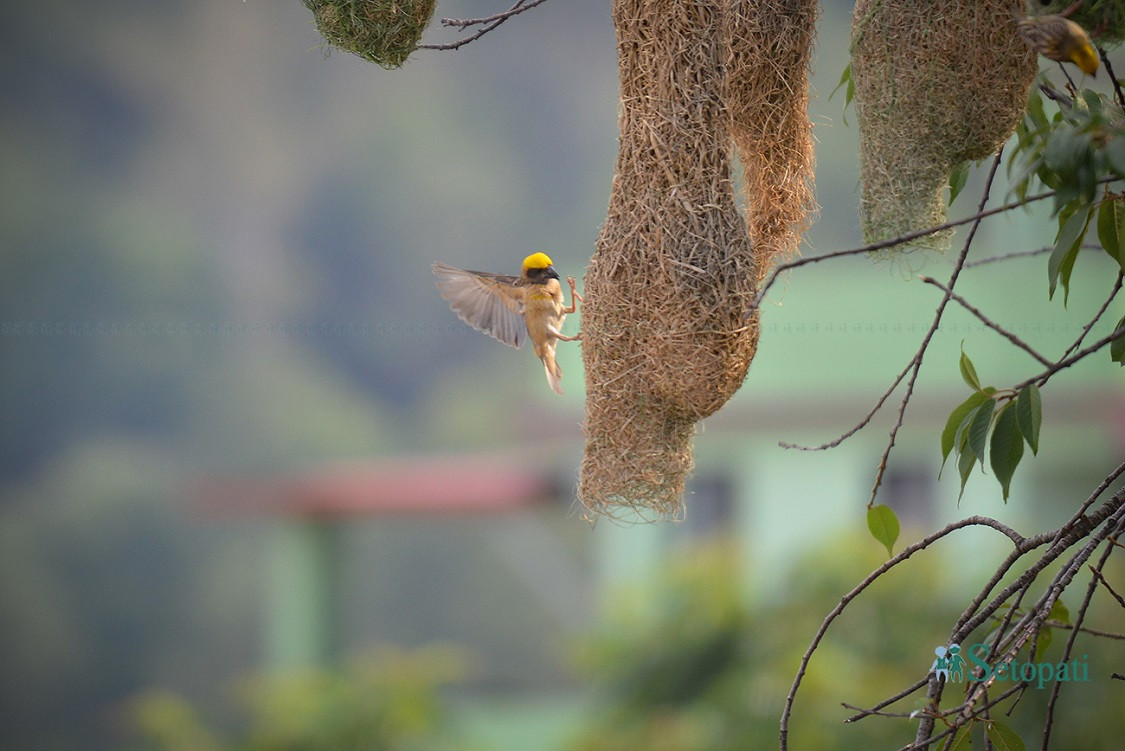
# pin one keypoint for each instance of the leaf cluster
(1010, 417)
(1074, 152)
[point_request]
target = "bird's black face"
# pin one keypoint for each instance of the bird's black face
(540, 276)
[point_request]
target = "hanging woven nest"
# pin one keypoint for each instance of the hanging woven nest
(935, 84)
(384, 32)
(665, 341)
(769, 47)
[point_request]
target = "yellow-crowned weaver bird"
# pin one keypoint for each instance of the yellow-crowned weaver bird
(511, 309)
(1058, 38)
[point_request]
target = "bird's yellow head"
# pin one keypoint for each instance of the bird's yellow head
(536, 261)
(1085, 57)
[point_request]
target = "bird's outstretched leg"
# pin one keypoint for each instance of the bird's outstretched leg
(575, 298)
(562, 337)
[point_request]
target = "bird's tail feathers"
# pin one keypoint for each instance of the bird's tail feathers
(554, 373)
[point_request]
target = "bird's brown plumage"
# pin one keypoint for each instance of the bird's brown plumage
(512, 309)
(1057, 38)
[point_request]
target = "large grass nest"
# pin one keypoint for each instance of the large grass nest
(1104, 20)
(665, 341)
(384, 32)
(936, 84)
(769, 46)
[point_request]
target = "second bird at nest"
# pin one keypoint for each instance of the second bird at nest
(1057, 38)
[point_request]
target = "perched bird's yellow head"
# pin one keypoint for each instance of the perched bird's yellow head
(1084, 56)
(536, 261)
(1057, 38)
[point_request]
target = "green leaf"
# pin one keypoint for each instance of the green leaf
(956, 417)
(1117, 346)
(957, 179)
(1003, 737)
(849, 89)
(845, 77)
(963, 739)
(976, 436)
(1110, 216)
(883, 523)
(1035, 110)
(1006, 447)
(968, 372)
(965, 462)
(1114, 151)
(1067, 244)
(1059, 612)
(1029, 411)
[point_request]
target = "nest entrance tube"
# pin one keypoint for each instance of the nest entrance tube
(665, 341)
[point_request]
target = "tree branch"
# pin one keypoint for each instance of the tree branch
(487, 24)
(987, 321)
(985, 521)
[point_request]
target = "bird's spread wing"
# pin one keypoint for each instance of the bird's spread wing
(492, 303)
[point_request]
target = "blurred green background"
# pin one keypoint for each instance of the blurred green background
(216, 246)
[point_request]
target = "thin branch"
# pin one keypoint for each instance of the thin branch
(921, 353)
(1009, 256)
(900, 240)
(487, 24)
(1099, 577)
(1079, 618)
(1080, 526)
(966, 716)
(1112, 77)
(869, 712)
(1084, 630)
(1045, 376)
(886, 702)
(1090, 501)
(858, 427)
(985, 521)
(1097, 316)
(988, 322)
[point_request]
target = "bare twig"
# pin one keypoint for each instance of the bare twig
(1009, 256)
(1112, 77)
(1101, 578)
(1080, 616)
(1097, 317)
(921, 353)
(486, 24)
(1045, 376)
(985, 521)
(987, 321)
(1084, 630)
(900, 240)
(860, 425)
(1111, 515)
(886, 702)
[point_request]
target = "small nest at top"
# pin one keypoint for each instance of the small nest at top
(384, 32)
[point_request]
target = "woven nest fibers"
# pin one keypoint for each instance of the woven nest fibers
(935, 84)
(384, 32)
(664, 339)
(769, 47)
(1104, 20)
